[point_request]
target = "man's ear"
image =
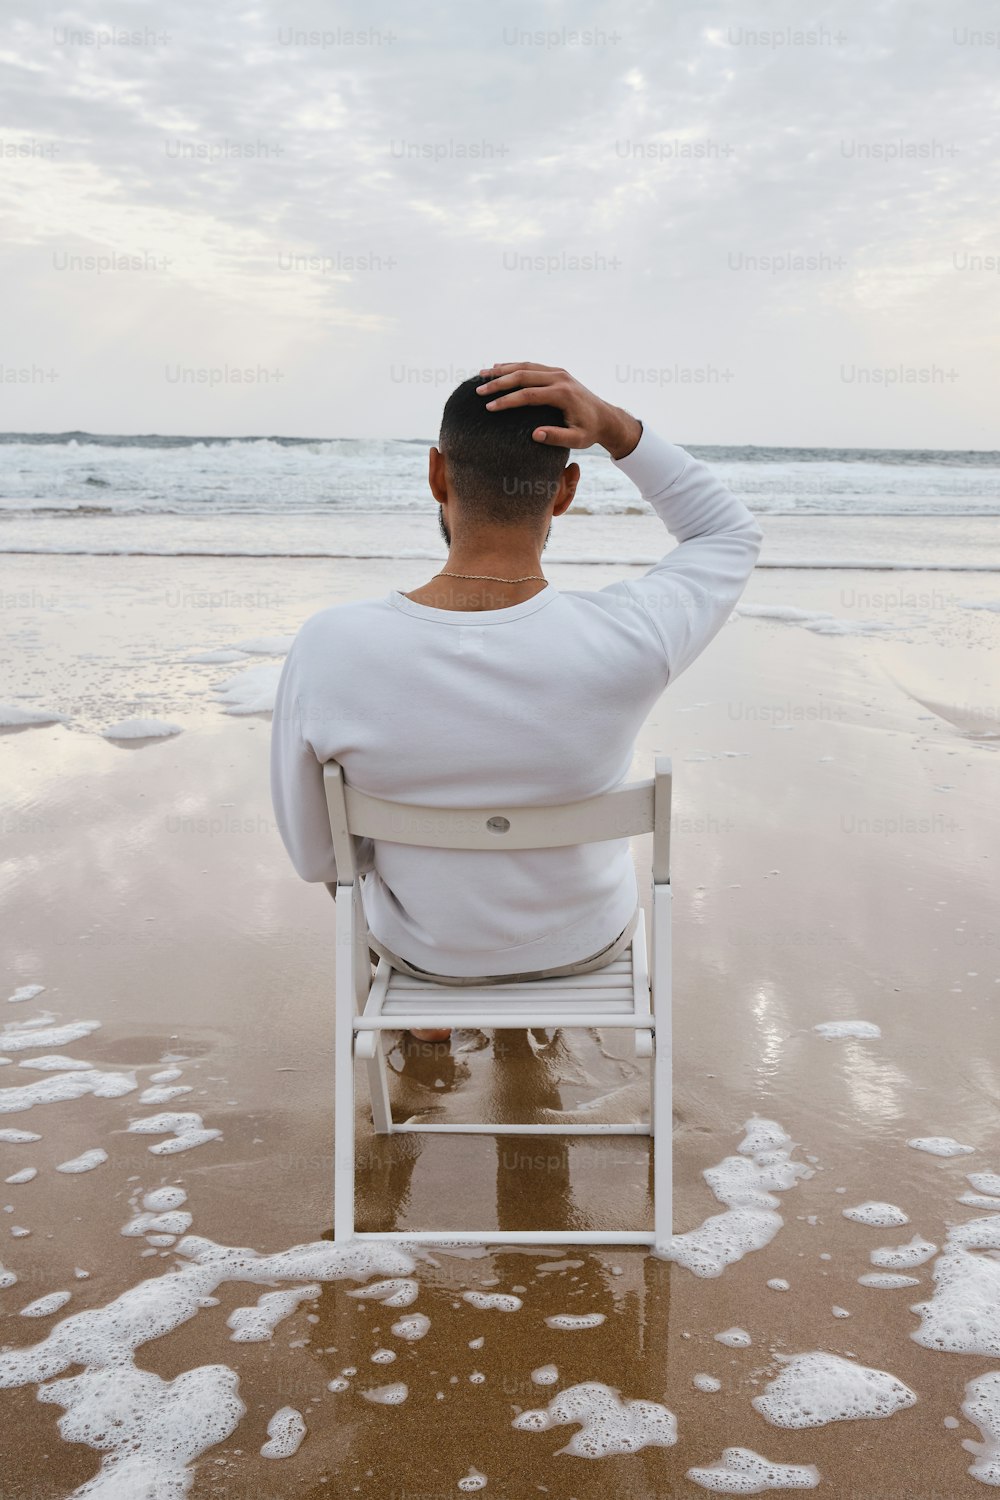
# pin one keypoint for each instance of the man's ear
(437, 476)
(568, 482)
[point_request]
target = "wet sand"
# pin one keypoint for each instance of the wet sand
(835, 852)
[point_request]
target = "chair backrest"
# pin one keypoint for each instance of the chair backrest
(636, 808)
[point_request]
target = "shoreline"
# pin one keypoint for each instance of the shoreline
(834, 851)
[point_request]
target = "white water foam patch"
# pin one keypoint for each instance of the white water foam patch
(887, 1281)
(213, 658)
(12, 717)
(747, 1184)
(186, 1129)
(140, 729)
(963, 1313)
(44, 1307)
(163, 1093)
(149, 1429)
(55, 1062)
(412, 1328)
(253, 1325)
(882, 1215)
(19, 1036)
(18, 1137)
(707, 1383)
(834, 1030)
(7, 1278)
(285, 1432)
(25, 992)
(940, 1145)
(607, 1423)
(545, 1375)
(572, 1322)
(85, 1162)
(387, 1395)
(733, 1338)
(982, 1407)
(817, 1388)
(26, 1174)
(159, 1199)
(249, 692)
(984, 1182)
(266, 645)
(172, 1222)
(400, 1291)
(903, 1257)
(741, 1471)
(471, 1482)
(498, 1301)
(818, 620)
(63, 1086)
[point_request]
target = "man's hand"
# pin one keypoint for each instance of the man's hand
(590, 419)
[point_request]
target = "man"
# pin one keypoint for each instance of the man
(487, 686)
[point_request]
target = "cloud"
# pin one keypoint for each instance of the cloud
(679, 191)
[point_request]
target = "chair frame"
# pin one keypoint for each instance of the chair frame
(633, 809)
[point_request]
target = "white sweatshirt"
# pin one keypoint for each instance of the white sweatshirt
(537, 703)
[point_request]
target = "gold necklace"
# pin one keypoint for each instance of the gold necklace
(531, 577)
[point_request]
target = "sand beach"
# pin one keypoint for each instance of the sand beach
(835, 847)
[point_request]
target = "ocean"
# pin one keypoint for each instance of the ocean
(359, 497)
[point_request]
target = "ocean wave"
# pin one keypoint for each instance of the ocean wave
(747, 453)
(887, 564)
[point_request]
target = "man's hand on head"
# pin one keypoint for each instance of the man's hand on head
(589, 419)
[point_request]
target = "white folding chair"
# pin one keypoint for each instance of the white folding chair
(627, 993)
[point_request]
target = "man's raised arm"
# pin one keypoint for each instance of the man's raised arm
(689, 594)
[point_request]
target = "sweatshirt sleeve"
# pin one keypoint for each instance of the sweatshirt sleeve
(690, 593)
(298, 794)
(297, 791)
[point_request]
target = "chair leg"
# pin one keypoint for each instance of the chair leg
(368, 1050)
(662, 1070)
(343, 1114)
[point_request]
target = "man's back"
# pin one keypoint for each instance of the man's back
(536, 703)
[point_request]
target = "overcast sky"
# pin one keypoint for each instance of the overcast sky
(610, 195)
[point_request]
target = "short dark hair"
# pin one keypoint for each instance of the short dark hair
(498, 472)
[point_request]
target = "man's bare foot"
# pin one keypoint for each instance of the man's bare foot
(437, 1034)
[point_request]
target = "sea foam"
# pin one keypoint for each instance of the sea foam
(882, 1215)
(255, 1324)
(607, 1423)
(249, 692)
(63, 1086)
(741, 1471)
(151, 1429)
(833, 1030)
(817, 1388)
(285, 1432)
(940, 1145)
(903, 1257)
(25, 992)
(962, 1315)
(982, 1406)
(140, 729)
(746, 1183)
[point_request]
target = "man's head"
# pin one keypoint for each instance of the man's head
(492, 474)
